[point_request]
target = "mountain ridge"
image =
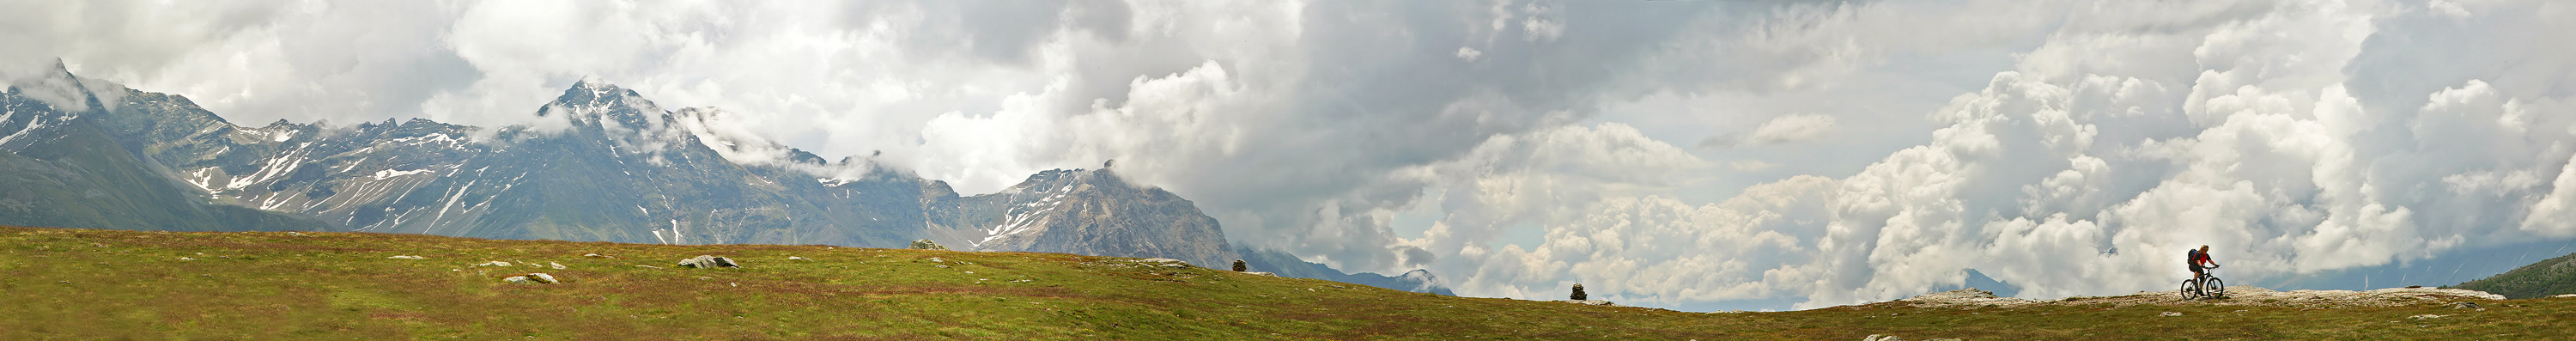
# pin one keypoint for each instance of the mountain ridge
(1288, 265)
(603, 163)
(2545, 278)
(59, 166)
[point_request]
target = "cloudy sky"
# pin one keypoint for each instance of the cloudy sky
(1691, 154)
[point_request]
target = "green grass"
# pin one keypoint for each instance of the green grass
(88, 284)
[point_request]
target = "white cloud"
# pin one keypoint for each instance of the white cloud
(1658, 250)
(2555, 215)
(1539, 23)
(2269, 159)
(1791, 128)
(980, 154)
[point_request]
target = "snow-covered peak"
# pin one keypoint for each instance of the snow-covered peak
(589, 100)
(592, 83)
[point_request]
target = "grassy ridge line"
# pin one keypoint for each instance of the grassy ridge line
(2545, 278)
(57, 283)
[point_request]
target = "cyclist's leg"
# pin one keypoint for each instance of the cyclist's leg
(2200, 282)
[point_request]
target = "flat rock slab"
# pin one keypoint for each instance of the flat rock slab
(534, 278)
(705, 261)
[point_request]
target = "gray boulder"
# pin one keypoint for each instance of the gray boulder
(534, 278)
(926, 244)
(705, 261)
(1578, 293)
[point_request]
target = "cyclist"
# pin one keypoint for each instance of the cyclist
(2195, 258)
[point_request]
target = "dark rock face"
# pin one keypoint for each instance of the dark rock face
(1578, 293)
(1091, 212)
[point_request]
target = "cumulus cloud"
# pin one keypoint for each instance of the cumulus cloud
(2072, 175)
(1659, 250)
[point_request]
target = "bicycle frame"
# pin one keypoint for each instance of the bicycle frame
(2204, 284)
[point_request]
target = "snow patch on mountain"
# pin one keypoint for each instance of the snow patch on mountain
(384, 174)
(1026, 217)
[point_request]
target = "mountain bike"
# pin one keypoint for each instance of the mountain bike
(2204, 286)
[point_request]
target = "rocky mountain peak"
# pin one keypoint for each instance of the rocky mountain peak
(592, 102)
(59, 88)
(1078, 211)
(1422, 278)
(1096, 179)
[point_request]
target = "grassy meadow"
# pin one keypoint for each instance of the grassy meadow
(92, 284)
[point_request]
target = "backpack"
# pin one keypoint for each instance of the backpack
(2191, 256)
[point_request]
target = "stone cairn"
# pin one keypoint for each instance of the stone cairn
(926, 244)
(1578, 293)
(1238, 266)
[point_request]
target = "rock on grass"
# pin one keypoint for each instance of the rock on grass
(537, 278)
(705, 261)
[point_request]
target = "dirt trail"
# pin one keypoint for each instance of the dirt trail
(2236, 296)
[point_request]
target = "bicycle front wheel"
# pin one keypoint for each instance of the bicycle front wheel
(2216, 288)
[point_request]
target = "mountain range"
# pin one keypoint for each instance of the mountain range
(602, 164)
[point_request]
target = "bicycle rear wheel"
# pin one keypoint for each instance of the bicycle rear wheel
(2190, 290)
